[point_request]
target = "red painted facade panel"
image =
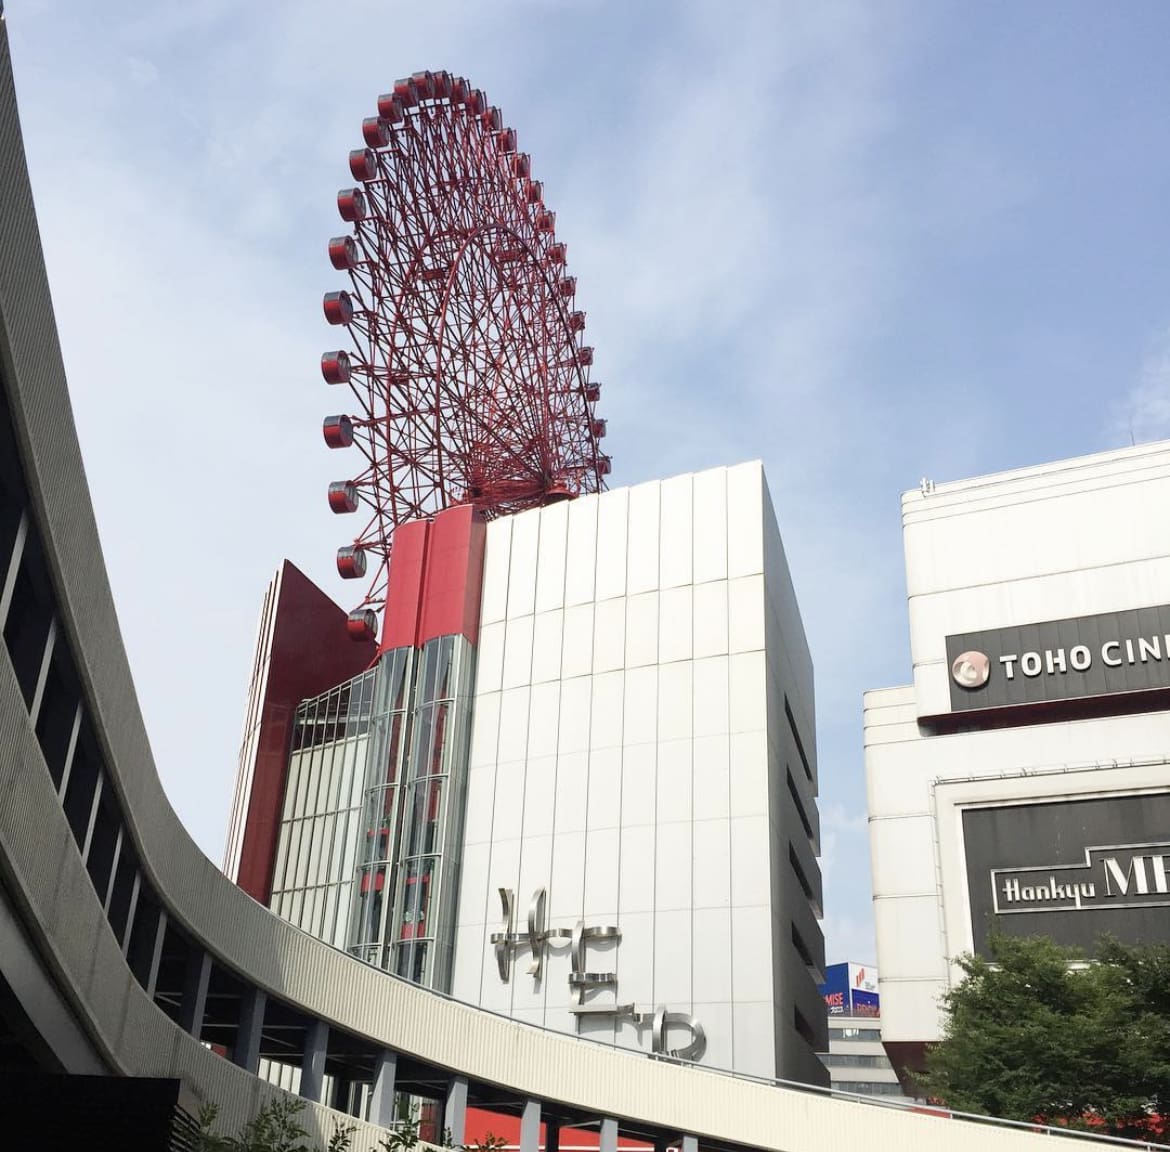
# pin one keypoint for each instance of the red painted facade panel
(310, 652)
(454, 576)
(436, 578)
(404, 594)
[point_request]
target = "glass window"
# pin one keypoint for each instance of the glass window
(319, 785)
(379, 825)
(281, 878)
(304, 839)
(334, 765)
(349, 860)
(867, 1088)
(412, 960)
(426, 818)
(345, 773)
(290, 787)
(444, 680)
(434, 765)
(317, 863)
(430, 670)
(371, 894)
(342, 828)
(303, 776)
(281, 857)
(397, 723)
(856, 1033)
(357, 788)
(418, 877)
(329, 915)
(341, 927)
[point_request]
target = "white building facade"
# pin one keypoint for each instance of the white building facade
(1020, 784)
(641, 792)
(576, 783)
(856, 1060)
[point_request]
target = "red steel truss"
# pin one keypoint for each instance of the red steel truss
(466, 359)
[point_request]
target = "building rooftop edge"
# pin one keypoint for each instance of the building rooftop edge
(1020, 476)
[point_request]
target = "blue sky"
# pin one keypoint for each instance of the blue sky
(864, 242)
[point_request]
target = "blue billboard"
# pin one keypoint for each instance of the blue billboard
(835, 989)
(851, 990)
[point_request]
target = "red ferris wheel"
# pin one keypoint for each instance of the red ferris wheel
(466, 359)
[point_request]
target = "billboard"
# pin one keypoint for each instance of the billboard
(850, 990)
(1075, 658)
(1071, 869)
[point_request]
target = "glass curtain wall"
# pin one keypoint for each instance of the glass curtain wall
(321, 825)
(408, 882)
(368, 853)
(382, 818)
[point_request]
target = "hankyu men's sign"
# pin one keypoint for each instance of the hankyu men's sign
(1071, 869)
(1113, 876)
(1060, 659)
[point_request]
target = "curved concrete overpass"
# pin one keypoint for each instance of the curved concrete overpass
(129, 952)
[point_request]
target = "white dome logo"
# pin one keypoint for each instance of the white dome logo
(971, 670)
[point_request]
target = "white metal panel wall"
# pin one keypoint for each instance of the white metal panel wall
(1068, 539)
(1073, 538)
(620, 758)
(915, 838)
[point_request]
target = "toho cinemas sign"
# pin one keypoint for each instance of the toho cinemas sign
(1079, 657)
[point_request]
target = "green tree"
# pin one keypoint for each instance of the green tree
(1036, 1032)
(275, 1128)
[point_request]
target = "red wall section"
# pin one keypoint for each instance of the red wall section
(405, 590)
(436, 578)
(481, 1124)
(454, 576)
(310, 653)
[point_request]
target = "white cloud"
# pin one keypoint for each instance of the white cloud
(1145, 412)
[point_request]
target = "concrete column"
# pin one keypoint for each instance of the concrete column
(34, 709)
(195, 982)
(13, 567)
(149, 977)
(530, 1127)
(313, 1060)
(113, 872)
(690, 1144)
(69, 753)
(607, 1135)
(382, 1096)
(246, 1049)
(93, 811)
(455, 1111)
(131, 912)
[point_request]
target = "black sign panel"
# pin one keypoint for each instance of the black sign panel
(1071, 869)
(1060, 659)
